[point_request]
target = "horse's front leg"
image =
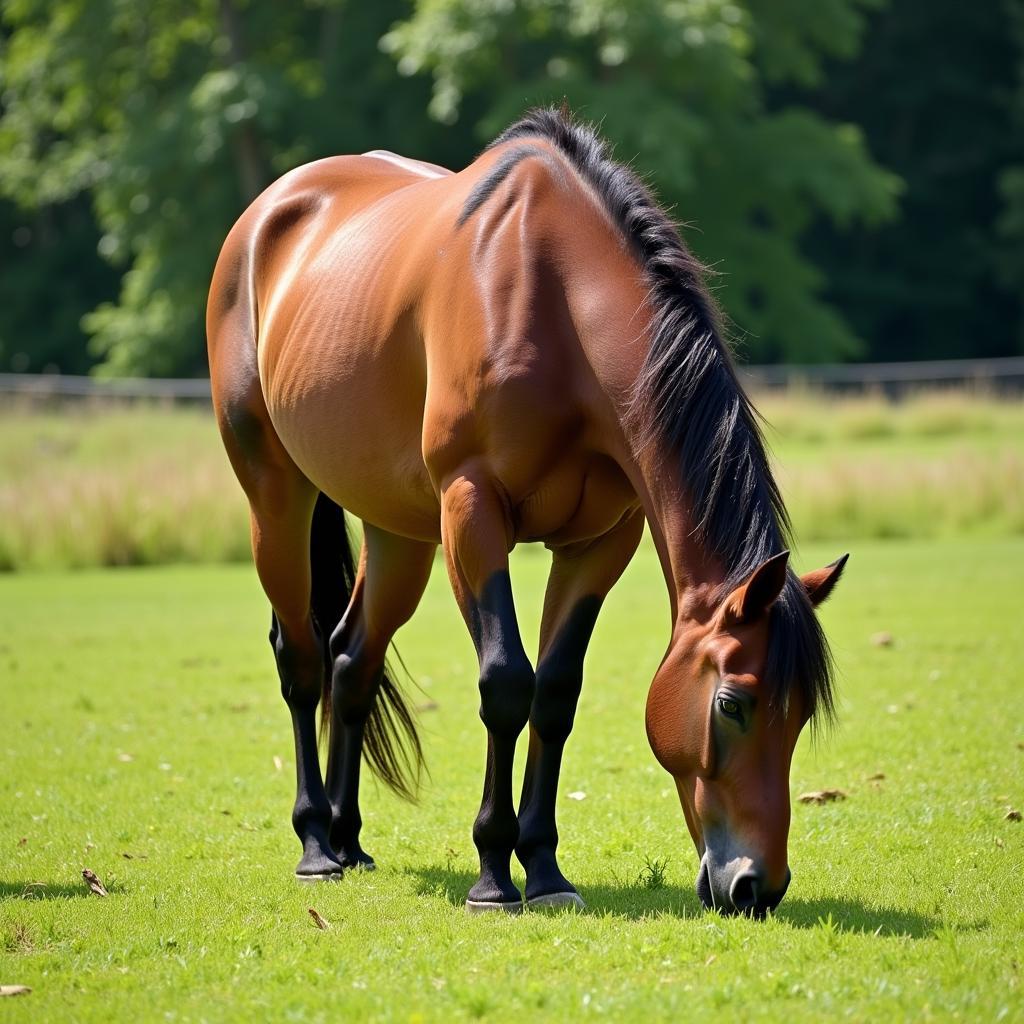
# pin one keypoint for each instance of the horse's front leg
(581, 576)
(477, 538)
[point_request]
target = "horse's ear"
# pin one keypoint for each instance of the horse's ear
(820, 582)
(749, 601)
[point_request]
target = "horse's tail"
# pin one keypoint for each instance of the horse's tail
(391, 745)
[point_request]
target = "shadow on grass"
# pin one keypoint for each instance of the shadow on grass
(852, 916)
(48, 891)
(633, 902)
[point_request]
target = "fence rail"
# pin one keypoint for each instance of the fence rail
(1003, 375)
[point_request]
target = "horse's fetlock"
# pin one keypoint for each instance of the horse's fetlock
(309, 810)
(495, 831)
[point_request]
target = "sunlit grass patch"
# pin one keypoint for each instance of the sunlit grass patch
(142, 719)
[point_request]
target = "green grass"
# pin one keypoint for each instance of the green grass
(149, 485)
(906, 897)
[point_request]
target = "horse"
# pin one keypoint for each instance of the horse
(523, 351)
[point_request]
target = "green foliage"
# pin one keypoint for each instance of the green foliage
(680, 88)
(132, 135)
(142, 720)
(939, 95)
(171, 118)
(749, 178)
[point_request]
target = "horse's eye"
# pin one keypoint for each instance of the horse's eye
(729, 707)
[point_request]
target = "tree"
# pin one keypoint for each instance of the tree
(939, 96)
(681, 89)
(171, 117)
(168, 117)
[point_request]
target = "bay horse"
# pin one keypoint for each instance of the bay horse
(521, 351)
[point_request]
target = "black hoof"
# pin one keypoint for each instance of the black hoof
(493, 906)
(557, 901)
(544, 879)
(318, 866)
(491, 894)
(359, 860)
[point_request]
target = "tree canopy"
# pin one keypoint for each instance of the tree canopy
(132, 136)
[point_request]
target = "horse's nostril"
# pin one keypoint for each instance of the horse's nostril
(744, 891)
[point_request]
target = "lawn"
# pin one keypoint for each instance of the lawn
(144, 738)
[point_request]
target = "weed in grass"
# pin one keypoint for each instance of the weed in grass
(652, 875)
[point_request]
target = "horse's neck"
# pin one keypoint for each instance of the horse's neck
(607, 293)
(693, 575)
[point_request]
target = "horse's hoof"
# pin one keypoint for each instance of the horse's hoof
(490, 906)
(316, 866)
(557, 901)
(361, 865)
(359, 862)
(320, 876)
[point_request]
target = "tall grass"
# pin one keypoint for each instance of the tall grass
(129, 486)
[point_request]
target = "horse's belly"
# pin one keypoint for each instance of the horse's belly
(578, 500)
(351, 420)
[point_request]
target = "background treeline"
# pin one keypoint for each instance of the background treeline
(854, 170)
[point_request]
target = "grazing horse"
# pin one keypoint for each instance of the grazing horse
(524, 350)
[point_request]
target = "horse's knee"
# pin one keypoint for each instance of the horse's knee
(355, 677)
(300, 665)
(554, 705)
(506, 693)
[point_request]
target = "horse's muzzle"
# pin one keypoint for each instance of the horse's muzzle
(738, 888)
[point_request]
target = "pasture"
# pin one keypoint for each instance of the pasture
(145, 739)
(149, 485)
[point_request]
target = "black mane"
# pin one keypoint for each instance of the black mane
(688, 401)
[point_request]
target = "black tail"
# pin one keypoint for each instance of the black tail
(391, 745)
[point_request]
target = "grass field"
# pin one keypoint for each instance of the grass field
(151, 485)
(142, 723)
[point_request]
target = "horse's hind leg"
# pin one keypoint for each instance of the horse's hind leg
(393, 573)
(281, 504)
(581, 576)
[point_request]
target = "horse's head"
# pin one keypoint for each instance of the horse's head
(723, 716)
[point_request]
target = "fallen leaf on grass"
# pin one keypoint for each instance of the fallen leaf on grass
(318, 920)
(23, 841)
(125, 757)
(882, 639)
(877, 777)
(1012, 815)
(95, 885)
(14, 990)
(710, 960)
(821, 796)
(577, 794)
(278, 763)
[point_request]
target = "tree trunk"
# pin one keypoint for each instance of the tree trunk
(253, 172)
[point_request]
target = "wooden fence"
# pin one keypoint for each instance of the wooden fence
(1004, 376)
